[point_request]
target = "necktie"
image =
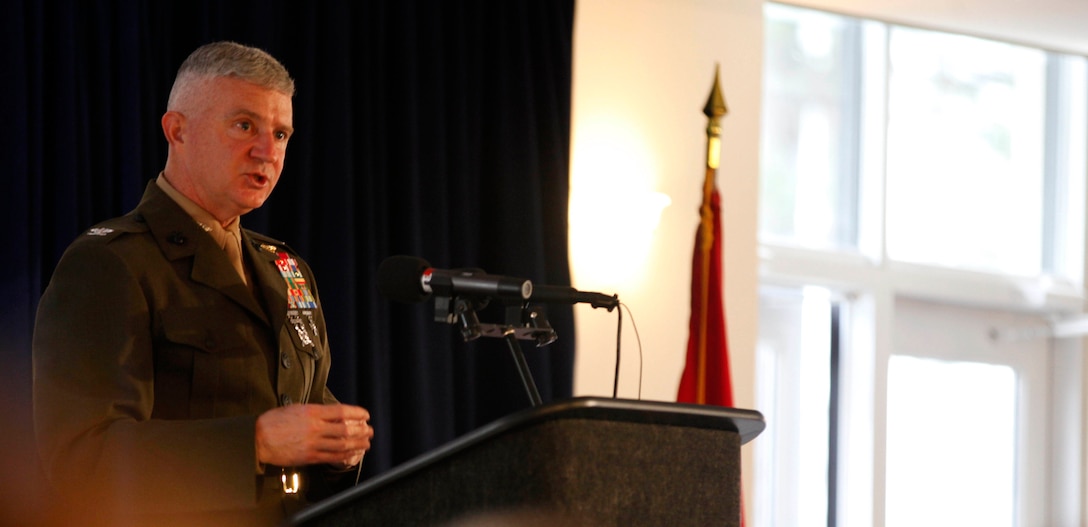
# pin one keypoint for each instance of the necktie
(233, 246)
(230, 241)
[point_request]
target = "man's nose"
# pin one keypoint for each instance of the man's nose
(266, 148)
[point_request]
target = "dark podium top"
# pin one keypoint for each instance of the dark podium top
(602, 461)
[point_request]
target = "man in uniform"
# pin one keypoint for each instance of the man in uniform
(180, 362)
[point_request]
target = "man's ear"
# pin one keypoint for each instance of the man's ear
(173, 127)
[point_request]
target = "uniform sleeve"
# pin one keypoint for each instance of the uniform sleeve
(94, 394)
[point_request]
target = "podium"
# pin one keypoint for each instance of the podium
(602, 462)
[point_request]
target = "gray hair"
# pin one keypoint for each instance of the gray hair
(230, 59)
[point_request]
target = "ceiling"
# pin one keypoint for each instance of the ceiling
(1058, 25)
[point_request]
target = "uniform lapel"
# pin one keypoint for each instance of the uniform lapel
(179, 236)
(211, 266)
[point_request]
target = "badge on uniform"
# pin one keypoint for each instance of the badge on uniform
(298, 292)
(300, 328)
(310, 318)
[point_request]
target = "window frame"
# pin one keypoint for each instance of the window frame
(869, 285)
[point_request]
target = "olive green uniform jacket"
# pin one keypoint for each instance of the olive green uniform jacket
(152, 361)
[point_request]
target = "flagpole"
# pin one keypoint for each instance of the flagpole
(714, 110)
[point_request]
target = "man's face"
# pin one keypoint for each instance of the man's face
(235, 139)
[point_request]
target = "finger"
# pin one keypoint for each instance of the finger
(350, 429)
(341, 446)
(344, 436)
(355, 459)
(338, 459)
(342, 412)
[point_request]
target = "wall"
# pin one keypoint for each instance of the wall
(643, 70)
(642, 73)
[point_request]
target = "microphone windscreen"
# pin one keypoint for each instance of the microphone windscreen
(399, 278)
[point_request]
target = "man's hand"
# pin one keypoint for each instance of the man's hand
(309, 434)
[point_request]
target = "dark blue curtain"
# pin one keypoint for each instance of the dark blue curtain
(436, 129)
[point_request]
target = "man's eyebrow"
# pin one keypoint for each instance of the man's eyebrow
(242, 112)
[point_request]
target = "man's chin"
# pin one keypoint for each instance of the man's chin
(249, 206)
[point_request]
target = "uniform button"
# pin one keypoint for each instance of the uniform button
(285, 400)
(285, 359)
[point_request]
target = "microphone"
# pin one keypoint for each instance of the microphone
(410, 279)
(558, 294)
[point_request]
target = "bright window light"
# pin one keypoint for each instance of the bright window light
(965, 171)
(951, 444)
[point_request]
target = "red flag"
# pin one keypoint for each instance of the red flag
(706, 378)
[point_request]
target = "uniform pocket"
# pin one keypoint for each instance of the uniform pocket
(202, 329)
(211, 356)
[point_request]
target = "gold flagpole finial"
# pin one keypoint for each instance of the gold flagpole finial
(714, 110)
(715, 104)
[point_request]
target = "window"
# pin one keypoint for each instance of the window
(922, 225)
(809, 142)
(964, 432)
(965, 120)
(950, 448)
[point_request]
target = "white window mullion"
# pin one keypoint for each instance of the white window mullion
(874, 126)
(857, 494)
(1066, 424)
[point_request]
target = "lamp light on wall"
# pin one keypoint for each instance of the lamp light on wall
(614, 209)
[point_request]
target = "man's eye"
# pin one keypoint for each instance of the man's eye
(244, 126)
(281, 136)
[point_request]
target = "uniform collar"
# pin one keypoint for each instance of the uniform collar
(199, 214)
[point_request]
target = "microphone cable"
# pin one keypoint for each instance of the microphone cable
(638, 341)
(619, 331)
